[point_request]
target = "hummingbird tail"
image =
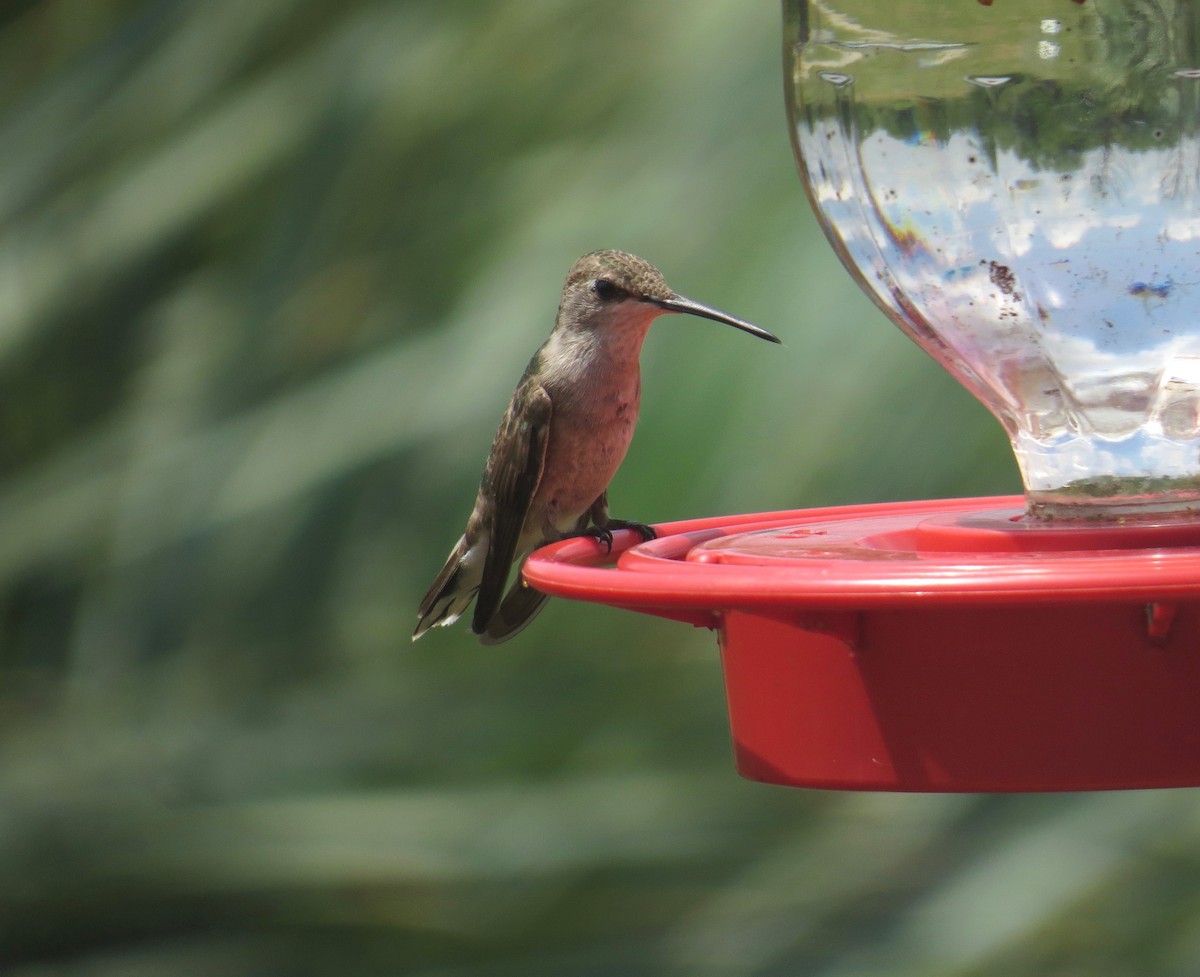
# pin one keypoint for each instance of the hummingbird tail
(453, 589)
(520, 606)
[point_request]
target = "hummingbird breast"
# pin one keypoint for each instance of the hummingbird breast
(591, 427)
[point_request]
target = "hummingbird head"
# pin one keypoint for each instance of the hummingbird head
(615, 287)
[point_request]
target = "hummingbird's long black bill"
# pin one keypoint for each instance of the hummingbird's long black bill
(688, 307)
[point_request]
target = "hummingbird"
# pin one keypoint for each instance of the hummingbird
(560, 442)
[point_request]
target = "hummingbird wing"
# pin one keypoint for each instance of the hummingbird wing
(512, 475)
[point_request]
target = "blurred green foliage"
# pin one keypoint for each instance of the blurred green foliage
(268, 272)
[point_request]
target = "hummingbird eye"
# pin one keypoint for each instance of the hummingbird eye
(605, 290)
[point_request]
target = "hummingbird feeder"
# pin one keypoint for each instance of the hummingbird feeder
(1018, 187)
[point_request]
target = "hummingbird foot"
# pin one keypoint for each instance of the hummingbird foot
(604, 534)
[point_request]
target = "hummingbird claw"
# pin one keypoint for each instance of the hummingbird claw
(604, 534)
(601, 534)
(646, 532)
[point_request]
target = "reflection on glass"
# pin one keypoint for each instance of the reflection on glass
(1018, 186)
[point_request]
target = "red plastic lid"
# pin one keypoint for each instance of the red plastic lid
(956, 551)
(933, 646)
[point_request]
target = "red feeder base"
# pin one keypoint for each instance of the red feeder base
(930, 646)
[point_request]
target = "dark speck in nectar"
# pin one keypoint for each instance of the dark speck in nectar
(1152, 290)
